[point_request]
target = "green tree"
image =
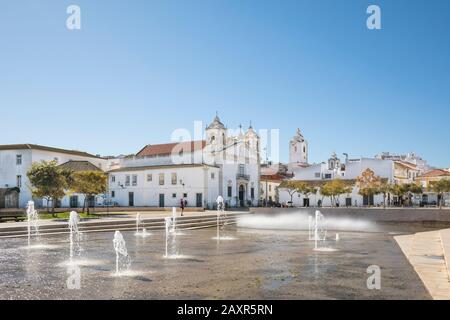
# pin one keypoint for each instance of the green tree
(334, 189)
(291, 188)
(306, 189)
(384, 188)
(48, 181)
(440, 187)
(89, 184)
(406, 190)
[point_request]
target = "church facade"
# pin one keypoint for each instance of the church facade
(197, 172)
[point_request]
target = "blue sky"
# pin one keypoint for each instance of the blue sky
(137, 70)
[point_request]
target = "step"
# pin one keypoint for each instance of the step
(98, 227)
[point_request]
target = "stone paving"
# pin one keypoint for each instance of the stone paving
(429, 254)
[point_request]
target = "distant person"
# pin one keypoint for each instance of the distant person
(182, 205)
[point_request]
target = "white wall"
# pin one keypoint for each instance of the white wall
(9, 170)
(326, 201)
(146, 193)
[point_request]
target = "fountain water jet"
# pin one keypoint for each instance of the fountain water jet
(318, 231)
(139, 224)
(32, 220)
(221, 220)
(174, 219)
(123, 260)
(75, 235)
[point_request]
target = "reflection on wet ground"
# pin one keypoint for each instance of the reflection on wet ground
(258, 264)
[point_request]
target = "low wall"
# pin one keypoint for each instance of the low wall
(373, 214)
(111, 209)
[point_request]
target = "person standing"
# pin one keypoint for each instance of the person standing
(182, 205)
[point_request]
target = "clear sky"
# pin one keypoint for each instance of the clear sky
(137, 70)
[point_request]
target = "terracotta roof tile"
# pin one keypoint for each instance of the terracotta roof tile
(166, 148)
(436, 173)
(79, 166)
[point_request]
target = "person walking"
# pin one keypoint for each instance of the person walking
(182, 205)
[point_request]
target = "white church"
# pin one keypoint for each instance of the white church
(196, 171)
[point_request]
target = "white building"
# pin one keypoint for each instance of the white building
(165, 185)
(412, 158)
(393, 170)
(16, 160)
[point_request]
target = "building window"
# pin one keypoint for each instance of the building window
(230, 192)
(113, 179)
(149, 177)
(127, 180)
(174, 195)
(270, 187)
(113, 194)
(241, 169)
(327, 175)
(212, 175)
(134, 180)
(317, 175)
(184, 195)
(161, 179)
(19, 159)
(174, 178)
(19, 181)
(252, 193)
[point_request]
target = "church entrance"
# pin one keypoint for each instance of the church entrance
(241, 195)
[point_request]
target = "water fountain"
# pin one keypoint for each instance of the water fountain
(32, 220)
(318, 231)
(75, 235)
(123, 260)
(221, 220)
(168, 224)
(317, 227)
(174, 219)
(139, 223)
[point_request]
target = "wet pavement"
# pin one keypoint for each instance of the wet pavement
(257, 264)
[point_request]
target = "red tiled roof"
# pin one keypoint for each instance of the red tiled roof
(166, 148)
(436, 173)
(273, 177)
